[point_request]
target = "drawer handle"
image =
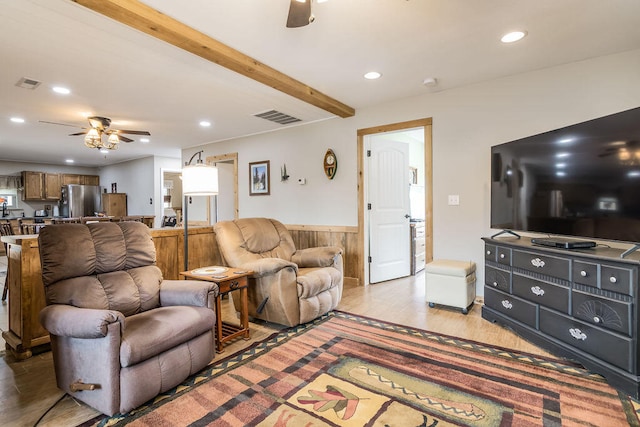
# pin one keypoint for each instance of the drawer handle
(507, 304)
(502, 256)
(613, 279)
(537, 290)
(488, 252)
(596, 319)
(583, 273)
(537, 262)
(495, 284)
(234, 284)
(577, 334)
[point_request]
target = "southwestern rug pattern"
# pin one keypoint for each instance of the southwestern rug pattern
(346, 370)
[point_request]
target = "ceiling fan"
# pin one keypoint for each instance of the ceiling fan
(621, 148)
(100, 126)
(300, 13)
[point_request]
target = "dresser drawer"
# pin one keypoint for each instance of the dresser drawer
(512, 306)
(503, 255)
(615, 349)
(585, 273)
(616, 279)
(543, 264)
(604, 312)
(490, 253)
(540, 292)
(419, 232)
(497, 278)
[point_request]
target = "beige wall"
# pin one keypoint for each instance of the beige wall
(467, 121)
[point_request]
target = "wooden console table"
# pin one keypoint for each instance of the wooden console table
(227, 281)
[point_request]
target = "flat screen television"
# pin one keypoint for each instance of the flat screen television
(582, 180)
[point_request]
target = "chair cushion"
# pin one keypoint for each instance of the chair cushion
(152, 332)
(312, 281)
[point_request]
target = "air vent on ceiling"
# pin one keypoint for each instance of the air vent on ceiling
(28, 83)
(278, 117)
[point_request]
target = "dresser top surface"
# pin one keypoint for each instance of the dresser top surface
(600, 252)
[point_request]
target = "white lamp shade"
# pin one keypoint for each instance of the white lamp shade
(200, 180)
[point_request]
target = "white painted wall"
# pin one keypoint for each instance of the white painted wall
(467, 121)
(139, 180)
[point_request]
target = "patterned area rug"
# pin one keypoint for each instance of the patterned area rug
(346, 370)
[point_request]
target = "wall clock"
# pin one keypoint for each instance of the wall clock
(330, 163)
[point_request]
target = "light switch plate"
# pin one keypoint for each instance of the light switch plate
(454, 199)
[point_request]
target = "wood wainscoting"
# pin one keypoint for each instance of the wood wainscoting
(309, 236)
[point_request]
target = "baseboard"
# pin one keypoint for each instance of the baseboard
(351, 281)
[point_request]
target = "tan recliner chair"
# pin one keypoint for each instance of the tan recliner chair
(289, 286)
(120, 334)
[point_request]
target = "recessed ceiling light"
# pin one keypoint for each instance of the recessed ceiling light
(144, 140)
(69, 160)
(205, 123)
(372, 75)
(61, 90)
(104, 150)
(17, 119)
(513, 36)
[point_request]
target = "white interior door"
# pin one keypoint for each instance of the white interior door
(388, 198)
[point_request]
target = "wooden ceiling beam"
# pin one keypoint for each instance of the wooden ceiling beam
(150, 21)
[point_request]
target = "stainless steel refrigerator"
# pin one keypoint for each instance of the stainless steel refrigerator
(80, 200)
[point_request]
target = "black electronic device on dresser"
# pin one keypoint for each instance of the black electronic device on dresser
(580, 304)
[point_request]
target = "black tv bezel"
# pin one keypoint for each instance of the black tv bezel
(498, 167)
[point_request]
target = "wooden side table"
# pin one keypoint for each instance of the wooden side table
(228, 281)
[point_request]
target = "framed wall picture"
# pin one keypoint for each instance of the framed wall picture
(259, 178)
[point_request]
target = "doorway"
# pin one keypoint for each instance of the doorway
(422, 175)
(171, 197)
(224, 206)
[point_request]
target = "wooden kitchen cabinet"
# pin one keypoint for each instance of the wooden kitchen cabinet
(41, 185)
(114, 204)
(70, 178)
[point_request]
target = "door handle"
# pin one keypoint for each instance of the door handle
(407, 216)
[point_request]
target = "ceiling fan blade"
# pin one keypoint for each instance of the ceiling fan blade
(131, 132)
(124, 138)
(60, 124)
(78, 133)
(299, 14)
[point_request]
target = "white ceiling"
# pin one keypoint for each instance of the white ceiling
(145, 84)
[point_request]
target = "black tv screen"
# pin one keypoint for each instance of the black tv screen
(581, 180)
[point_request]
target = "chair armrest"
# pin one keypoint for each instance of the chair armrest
(316, 257)
(74, 322)
(267, 266)
(198, 293)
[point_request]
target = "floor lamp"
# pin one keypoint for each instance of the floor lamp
(198, 179)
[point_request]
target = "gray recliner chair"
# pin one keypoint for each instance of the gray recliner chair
(120, 334)
(289, 286)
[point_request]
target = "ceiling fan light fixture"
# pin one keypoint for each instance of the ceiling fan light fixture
(113, 139)
(92, 139)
